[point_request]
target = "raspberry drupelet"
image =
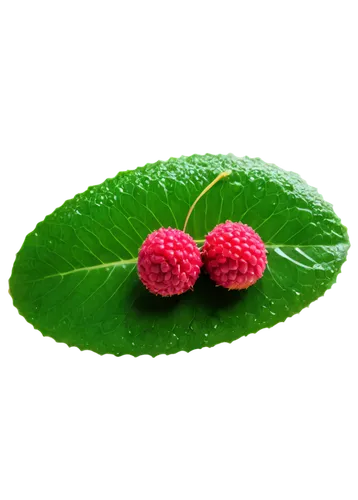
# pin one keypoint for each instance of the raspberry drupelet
(234, 255)
(169, 262)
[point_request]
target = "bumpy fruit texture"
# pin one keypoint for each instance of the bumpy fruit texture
(234, 255)
(169, 262)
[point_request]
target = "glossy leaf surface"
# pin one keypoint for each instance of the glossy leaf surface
(75, 277)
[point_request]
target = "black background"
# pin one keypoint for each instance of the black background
(43, 167)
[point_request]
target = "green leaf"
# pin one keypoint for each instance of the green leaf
(75, 277)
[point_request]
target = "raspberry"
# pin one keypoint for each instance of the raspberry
(169, 262)
(234, 255)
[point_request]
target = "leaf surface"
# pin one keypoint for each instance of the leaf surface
(75, 277)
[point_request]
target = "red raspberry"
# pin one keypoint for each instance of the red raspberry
(234, 255)
(169, 262)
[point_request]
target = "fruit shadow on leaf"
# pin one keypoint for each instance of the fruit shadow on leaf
(206, 296)
(146, 303)
(211, 297)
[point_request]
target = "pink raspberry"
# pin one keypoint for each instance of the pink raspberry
(169, 262)
(234, 255)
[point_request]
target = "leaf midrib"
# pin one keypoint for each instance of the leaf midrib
(134, 260)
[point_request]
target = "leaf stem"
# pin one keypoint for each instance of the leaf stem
(217, 179)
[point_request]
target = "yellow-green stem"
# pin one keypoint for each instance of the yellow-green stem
(220, 176)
